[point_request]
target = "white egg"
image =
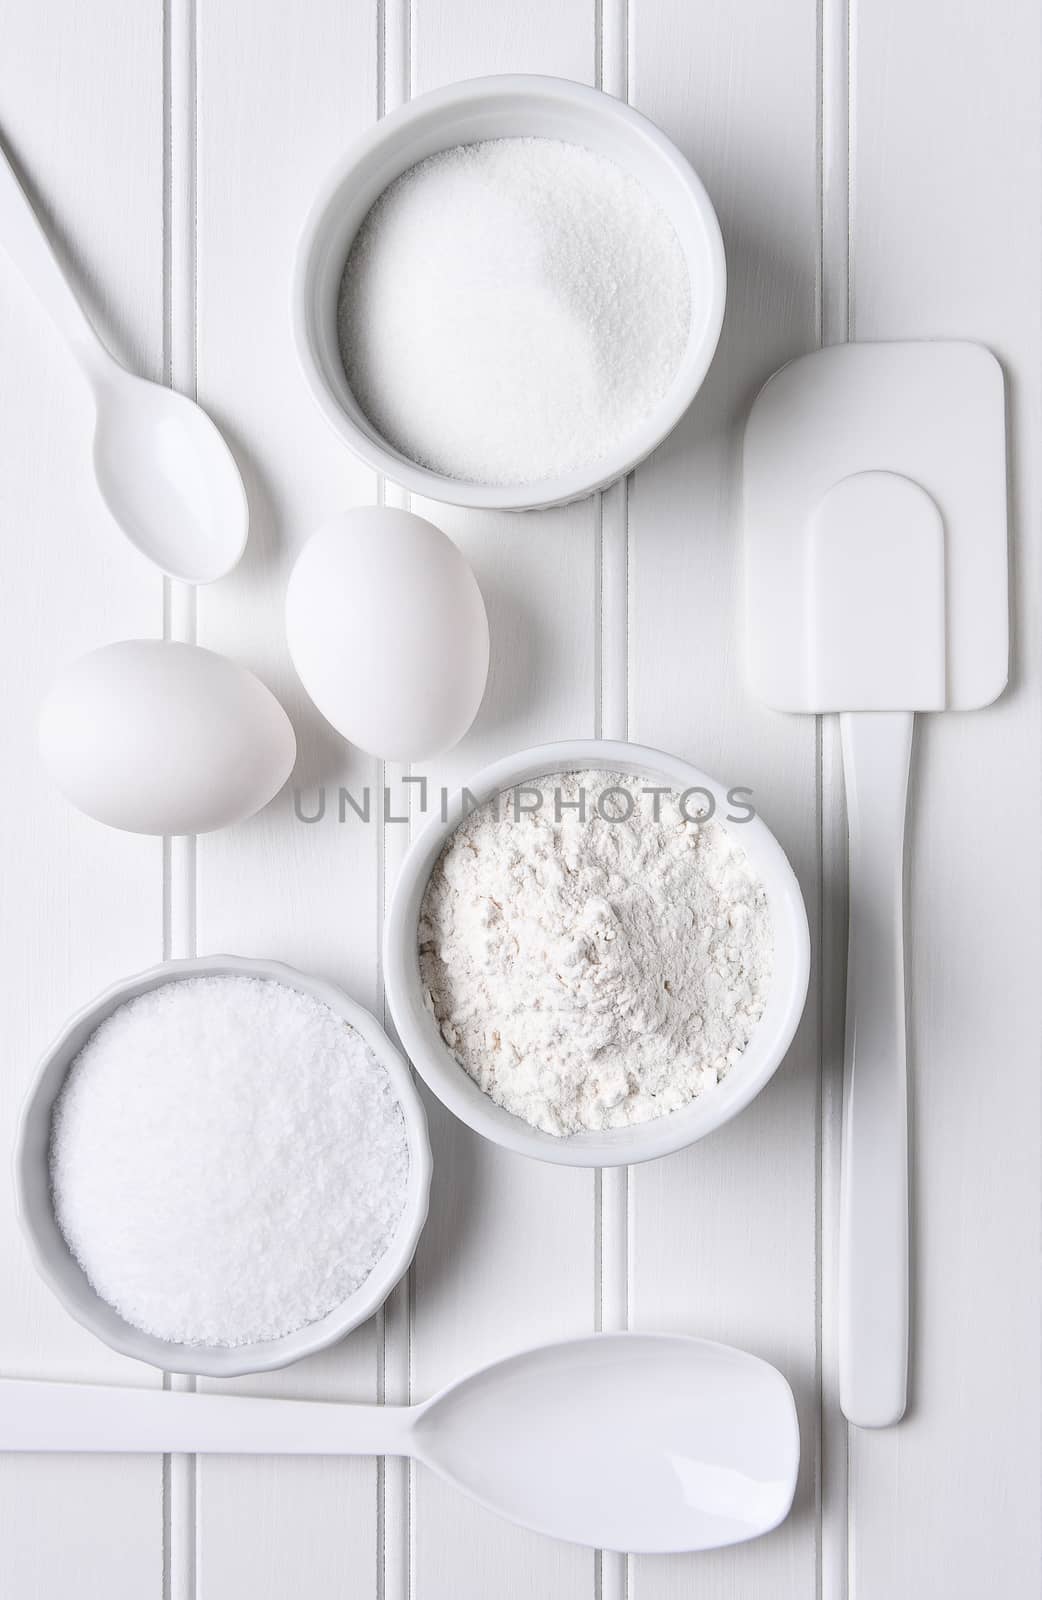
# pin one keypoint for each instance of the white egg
(387, 629)
(158, 737)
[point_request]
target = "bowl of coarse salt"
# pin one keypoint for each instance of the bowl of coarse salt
(597, 954)
(508, 292)
(222, 1165)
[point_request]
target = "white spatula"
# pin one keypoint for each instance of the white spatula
(876, 585)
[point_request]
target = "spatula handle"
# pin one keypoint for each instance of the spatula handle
(90, 1417)
(873, 1239)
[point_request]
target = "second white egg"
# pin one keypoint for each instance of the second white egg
(388, 632)
(156, 736)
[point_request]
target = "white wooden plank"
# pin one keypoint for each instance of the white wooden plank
(85, 1526)
(453, 39)
(81, 94)
(509, 1255)
(945, 242)
(724, 1236)
(278, 101)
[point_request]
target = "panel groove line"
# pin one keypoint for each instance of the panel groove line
(180, 300)
(394, 1475)
(834, 309)
(612, 691)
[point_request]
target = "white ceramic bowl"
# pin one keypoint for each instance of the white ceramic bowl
(431, 1057)
(65, 1276)
(464, 113)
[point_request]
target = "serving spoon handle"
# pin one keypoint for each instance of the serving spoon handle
(40, 1415)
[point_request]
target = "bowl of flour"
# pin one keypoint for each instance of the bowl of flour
(599, 956)
(222, 1166)
(509, 292)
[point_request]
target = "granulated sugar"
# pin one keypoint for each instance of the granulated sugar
(595, 973)
(229, 1160)
(511, 310)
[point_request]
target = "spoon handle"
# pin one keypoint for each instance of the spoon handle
(30, 250)
(83, 1417)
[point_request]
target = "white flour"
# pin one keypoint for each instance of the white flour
(594, 974)
(511, 310)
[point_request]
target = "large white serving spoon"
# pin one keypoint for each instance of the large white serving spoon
(163, 469)
(641, 1442)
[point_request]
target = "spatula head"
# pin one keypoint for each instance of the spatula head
(875, 530)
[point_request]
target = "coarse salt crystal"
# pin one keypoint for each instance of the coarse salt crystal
(229, 1160)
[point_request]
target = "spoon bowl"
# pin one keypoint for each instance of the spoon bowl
(638, 1442)
(164, 471)
(168, 478)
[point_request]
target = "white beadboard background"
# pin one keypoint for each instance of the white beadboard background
(877, 175)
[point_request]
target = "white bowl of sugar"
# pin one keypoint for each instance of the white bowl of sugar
(222, 1166)
(509, 292)
(589, 975)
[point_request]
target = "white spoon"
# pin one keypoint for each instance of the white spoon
(163, 469)
(641, 1442)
